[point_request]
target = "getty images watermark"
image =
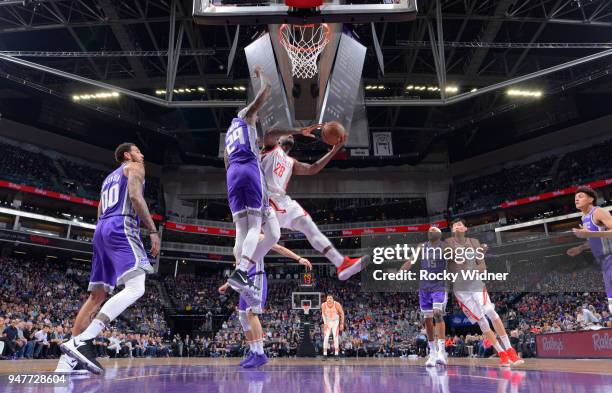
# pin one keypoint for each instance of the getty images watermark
(436, 267)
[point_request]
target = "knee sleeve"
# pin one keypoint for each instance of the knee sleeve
(484, 325)
(241, 231)
(317, 239)
(492, 314)
(252, 237)
(134, 289)
(244, 321)
(271, 231)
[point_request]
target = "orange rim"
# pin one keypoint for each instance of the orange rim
(294, 48)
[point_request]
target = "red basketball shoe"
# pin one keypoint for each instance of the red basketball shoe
(503, 359)
(514, 357)
(350, 267)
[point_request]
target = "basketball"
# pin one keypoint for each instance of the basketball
(333, 133)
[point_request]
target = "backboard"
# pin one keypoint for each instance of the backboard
(300, 299)
(249, 12)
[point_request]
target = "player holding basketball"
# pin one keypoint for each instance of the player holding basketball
(472, 295)
(246, 189)
(278, 168)
(333, 323)
(250, 309)
(597, 229)
(432, 295)
(118, 254)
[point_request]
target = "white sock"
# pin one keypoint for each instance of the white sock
(95, 327)
(324, 351)
(506, 341)
(252, 346)
(441, 346)
(259, 347)
(244, 264)
(335, 257)
(432, 346)
(498, 347)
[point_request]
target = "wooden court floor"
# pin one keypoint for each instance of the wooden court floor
(594, 366)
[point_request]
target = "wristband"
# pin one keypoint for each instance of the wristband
(151, 232)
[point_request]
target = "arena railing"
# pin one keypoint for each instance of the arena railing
(324, 227)
(175, 246)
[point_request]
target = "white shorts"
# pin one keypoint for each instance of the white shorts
(287, 210)
(332, 327)
(475, 304)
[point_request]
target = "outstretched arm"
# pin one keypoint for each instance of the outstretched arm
(410, 262)
(271, 136)
(302, 168)
(260, 99)
(290, 254)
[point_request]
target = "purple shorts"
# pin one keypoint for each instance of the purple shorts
(118, 253)
(245, 188)
(606, 269)
(427, 300)
(259, 302)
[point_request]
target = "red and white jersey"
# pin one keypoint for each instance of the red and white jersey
(330, 312)
(277, 167)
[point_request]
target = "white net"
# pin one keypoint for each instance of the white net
(303, 44)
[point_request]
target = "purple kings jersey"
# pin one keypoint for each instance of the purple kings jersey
(600, 247)
(115, 198)
(432, 261)
(241, 142)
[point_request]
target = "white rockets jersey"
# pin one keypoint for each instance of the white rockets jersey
(277, 167)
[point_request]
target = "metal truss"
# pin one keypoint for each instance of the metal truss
(72, 54)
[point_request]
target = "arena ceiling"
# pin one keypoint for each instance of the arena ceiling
(125, 43)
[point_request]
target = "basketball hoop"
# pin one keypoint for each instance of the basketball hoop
(306, 304)
(303, 44)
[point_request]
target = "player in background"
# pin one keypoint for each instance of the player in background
(119, 256)
(278, 168)
(432, 295)
(472, 295)
(246, 189)
(597, 229)
(250, 309)
(333, 323)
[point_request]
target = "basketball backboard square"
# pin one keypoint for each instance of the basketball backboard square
(249, 12)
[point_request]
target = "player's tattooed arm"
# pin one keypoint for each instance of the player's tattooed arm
(302, 168)
(136, 176)
(260, 99)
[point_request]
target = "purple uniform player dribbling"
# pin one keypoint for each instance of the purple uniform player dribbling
(119, 257)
